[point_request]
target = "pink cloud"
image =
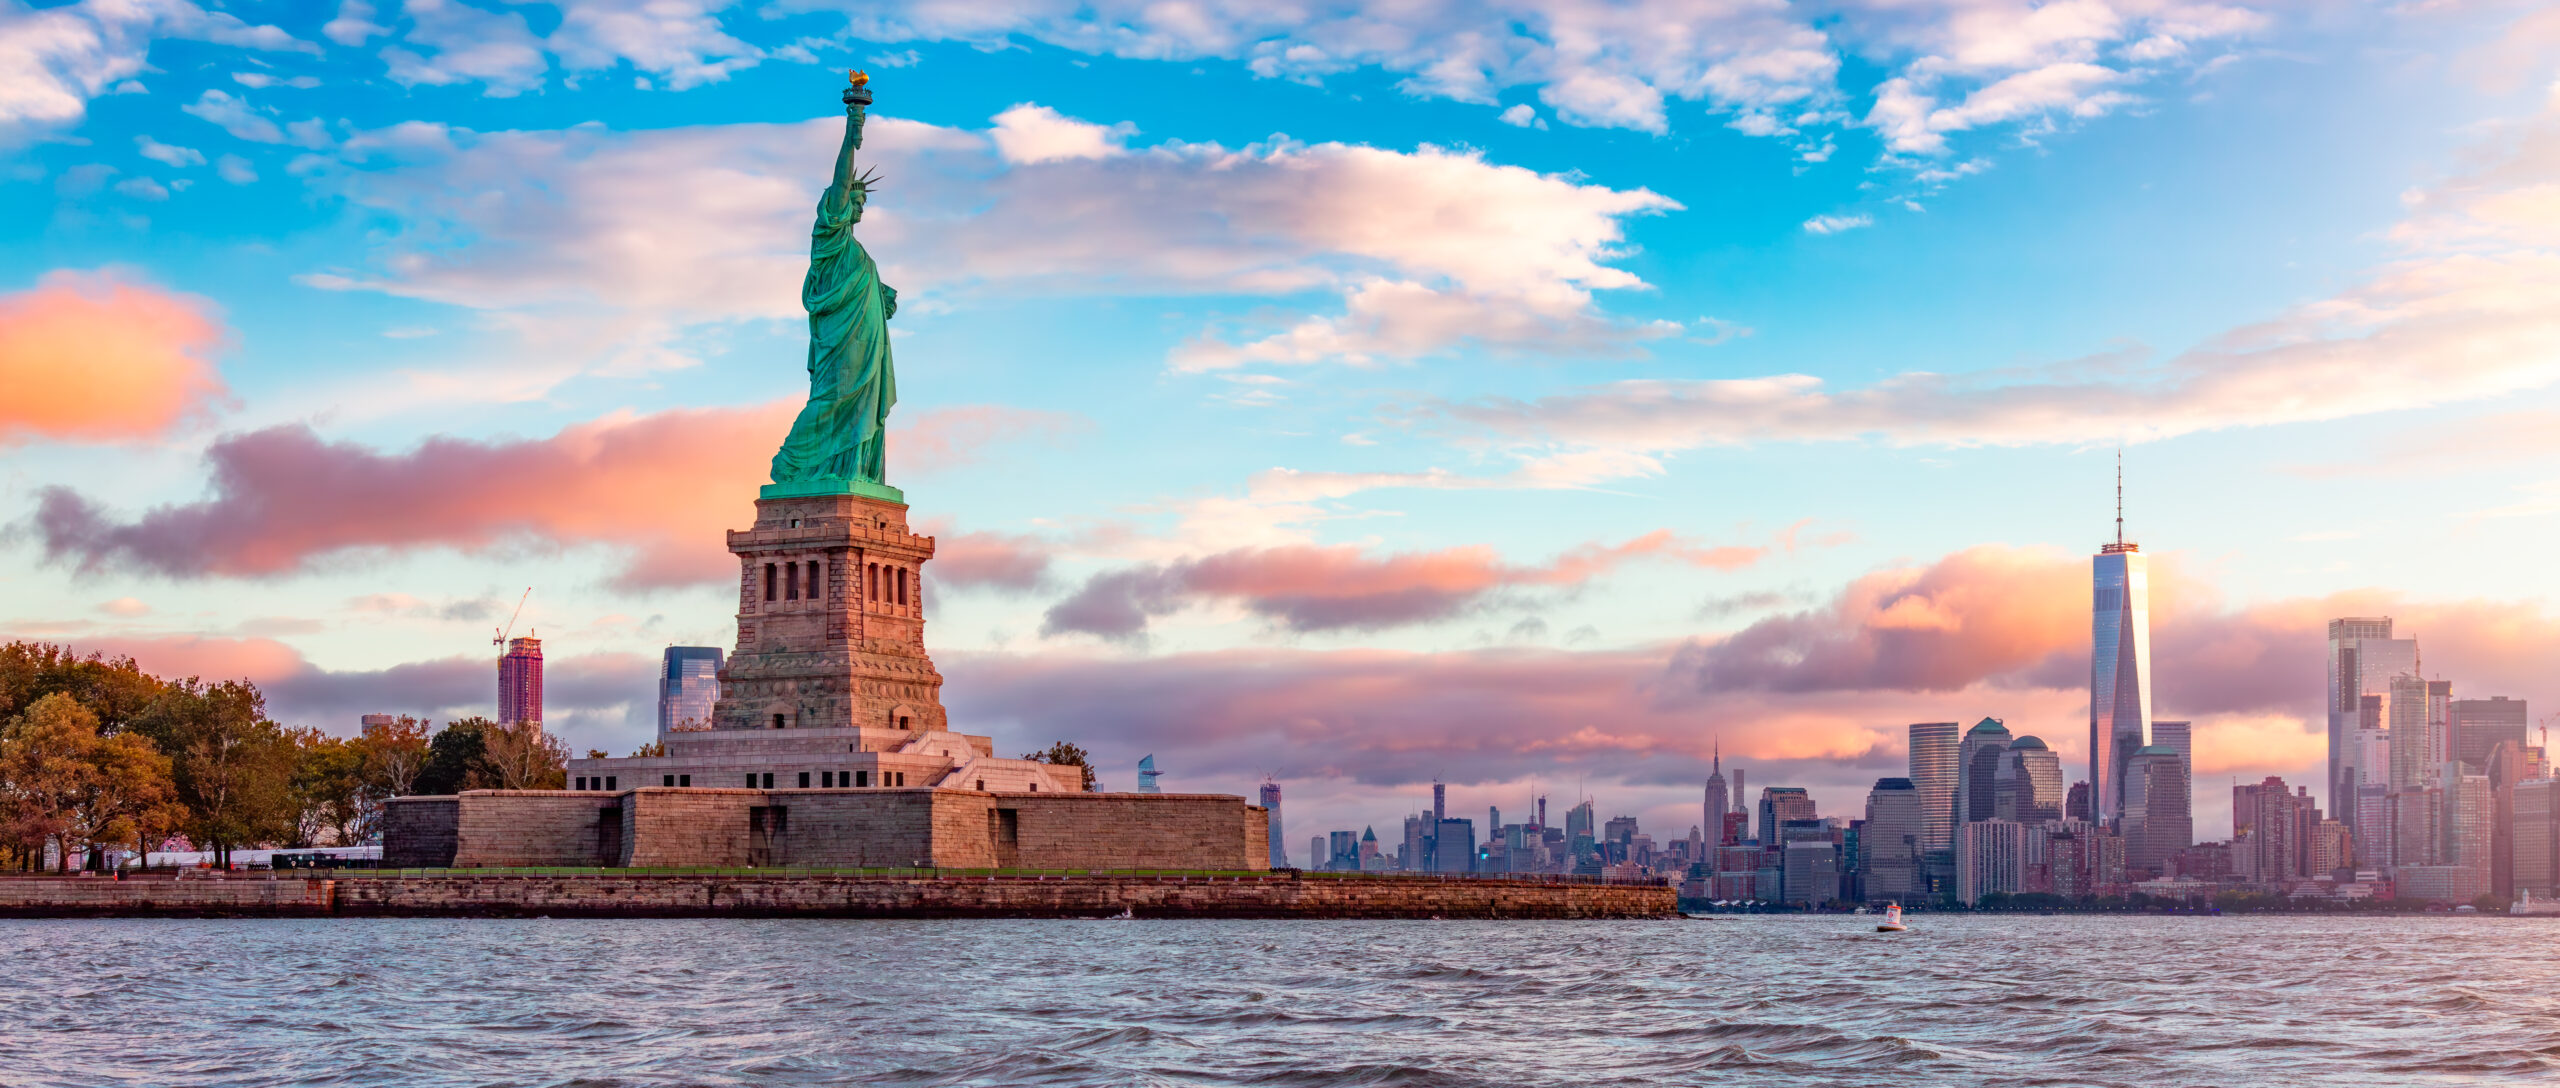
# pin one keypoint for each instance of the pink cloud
(93, 357)
(662, 488)
(1305, 587)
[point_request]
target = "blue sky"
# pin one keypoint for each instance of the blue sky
(1292, 384)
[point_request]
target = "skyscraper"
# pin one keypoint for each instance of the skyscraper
(2119, 663)
(2362, 659)
(1271, 804)
(1990, 857)
(2159, 808)
(1933, 777)
(688, 687)
(1779, 804)
(2179, 737)
(2028, 785)
(1741, 800)
(1978, 772)
(520, 681)
(2476, 726)
(2417, 736)
(1717, 801)
(1890, 845)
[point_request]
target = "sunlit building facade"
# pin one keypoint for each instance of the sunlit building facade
(1933, 778)
(2119, 669)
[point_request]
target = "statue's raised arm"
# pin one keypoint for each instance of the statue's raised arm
(838, 445)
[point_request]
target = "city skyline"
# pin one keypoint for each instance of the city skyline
(1617, 426)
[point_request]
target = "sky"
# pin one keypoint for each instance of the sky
(1543, 398)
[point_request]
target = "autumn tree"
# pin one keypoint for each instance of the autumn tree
(520, 756)
(83, 789)
(394, 755)
(330, 800)
(114, 689)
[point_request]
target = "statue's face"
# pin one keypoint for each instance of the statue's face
(860, 197)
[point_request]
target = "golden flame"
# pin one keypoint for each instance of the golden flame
(856, 78)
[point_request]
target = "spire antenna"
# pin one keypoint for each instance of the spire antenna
(2119, 494)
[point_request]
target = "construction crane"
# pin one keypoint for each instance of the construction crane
(501, 641)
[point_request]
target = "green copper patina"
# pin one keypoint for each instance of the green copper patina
(838, 444)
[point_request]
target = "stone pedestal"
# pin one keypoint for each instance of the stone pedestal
(830, 620)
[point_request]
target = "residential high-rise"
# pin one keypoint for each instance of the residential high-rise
(1741, 800)
(1778, 804)
(1933, 777)
(1990, 857)
(1978, 771)
(2265, 832)
(520, 681)
(1271, 808)
(2534, 844)
(2027, 786)
(2475, 727)
(2119, 663)
(2362, 659)
(1892, 842)
(1717, 802)
(1439, 800)
(2159, 808)
(688, 687)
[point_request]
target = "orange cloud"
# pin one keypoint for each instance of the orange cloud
(662, 487)
(91, 357)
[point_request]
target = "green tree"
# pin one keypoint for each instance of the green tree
(234, 767)
(1063, 754)
(453, 758)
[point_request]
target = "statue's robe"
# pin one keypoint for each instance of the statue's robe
(840, 434)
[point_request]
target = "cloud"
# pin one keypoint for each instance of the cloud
(168, 153)
(1428, 248)
(1306, 588)
(2462, 314)
(1963, 65)
(448, 42)
(451, 42)
(248, 122)
(990, 560)
(95, 357)
(659, 489)
(1610, 65)
(54, 60)
(1834, 224)
(1030, 133)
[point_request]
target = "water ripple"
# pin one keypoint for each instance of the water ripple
(2136, 1002)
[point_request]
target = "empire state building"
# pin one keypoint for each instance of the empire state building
(2119, 664)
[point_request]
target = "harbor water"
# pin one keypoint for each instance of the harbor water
(2144, 1002)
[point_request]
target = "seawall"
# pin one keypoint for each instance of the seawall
(615, 895)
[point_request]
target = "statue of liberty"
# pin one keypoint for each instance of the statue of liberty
(837, 445)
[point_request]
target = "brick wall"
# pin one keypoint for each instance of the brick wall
(420, 832)
(656, 827)
(507, 828)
